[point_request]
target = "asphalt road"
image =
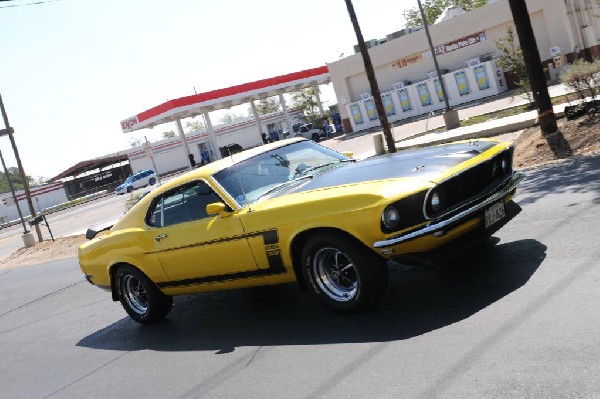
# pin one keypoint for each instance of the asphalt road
(518, 318)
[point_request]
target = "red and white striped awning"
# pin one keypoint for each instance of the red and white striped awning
(190, 106)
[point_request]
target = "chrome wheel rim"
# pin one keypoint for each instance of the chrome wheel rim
(335, 274)
(134, 294)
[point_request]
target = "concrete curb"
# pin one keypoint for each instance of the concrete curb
(483, 133)
(483, 130)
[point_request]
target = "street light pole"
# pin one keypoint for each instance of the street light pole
(20, 166)
(450, 116)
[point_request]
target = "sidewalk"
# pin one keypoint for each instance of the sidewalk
(486, 129)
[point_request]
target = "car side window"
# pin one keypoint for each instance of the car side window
(184, 204)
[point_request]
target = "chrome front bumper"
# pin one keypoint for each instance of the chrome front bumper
(441, 225)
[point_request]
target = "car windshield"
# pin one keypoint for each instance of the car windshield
(275, 170)
(128, 180)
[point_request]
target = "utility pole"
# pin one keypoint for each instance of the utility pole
(387, 131)
(14, 196)
(450, 115)
(20, 166)
(539, 87)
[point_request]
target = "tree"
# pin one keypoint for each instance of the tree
(434, 8)
(37, 181)
(512, 60)
(546, 117)
(267, 106)
(169, 134)
(231, 117)
(136, 141)
(194, 125)
(584, 78)
(15, 179)
(306, 100)
(387, 131)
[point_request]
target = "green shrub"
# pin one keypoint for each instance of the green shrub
(584, 78)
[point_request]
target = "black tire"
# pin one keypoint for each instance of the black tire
(129, 189)
(343, 273)
(316, 137)
(140, 297)
(152, 181)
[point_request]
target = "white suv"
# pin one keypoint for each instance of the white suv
(137, 180)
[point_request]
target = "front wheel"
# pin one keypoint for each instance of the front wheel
(140, 297)
(316, 137)
(343, 273)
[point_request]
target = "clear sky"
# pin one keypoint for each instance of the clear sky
(71, 70)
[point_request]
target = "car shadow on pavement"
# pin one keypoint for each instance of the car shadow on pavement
(418, 301)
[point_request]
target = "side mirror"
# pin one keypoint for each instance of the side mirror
(217, 208)
(349, 154)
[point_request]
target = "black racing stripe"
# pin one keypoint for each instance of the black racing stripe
(271, 237)
(424, 163)
(271, 234)
(219, 278)
(274, 258)
(198, 244)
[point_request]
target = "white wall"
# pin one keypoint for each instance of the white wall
(43, 197)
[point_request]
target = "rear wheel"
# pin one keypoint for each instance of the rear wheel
(343, 273)
(140, 297)
(152, 181)
(316, 137)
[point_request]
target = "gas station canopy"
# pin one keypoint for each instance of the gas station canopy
(197, 104)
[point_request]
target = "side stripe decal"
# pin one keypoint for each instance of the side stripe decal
(276, 266)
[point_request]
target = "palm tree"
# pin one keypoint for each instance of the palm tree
(387, 131)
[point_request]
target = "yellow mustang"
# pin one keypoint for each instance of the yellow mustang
(297, 211)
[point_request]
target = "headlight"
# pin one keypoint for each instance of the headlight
(435, 201)
(390, 217)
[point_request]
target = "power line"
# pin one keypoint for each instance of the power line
(27, 4)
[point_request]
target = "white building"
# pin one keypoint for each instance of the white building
(564, 29)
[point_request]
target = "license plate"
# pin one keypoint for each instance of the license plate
(494, 214)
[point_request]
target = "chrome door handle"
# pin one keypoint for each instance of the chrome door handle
(159, 237)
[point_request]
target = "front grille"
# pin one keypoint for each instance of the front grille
(410, 210)
(470, 184)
